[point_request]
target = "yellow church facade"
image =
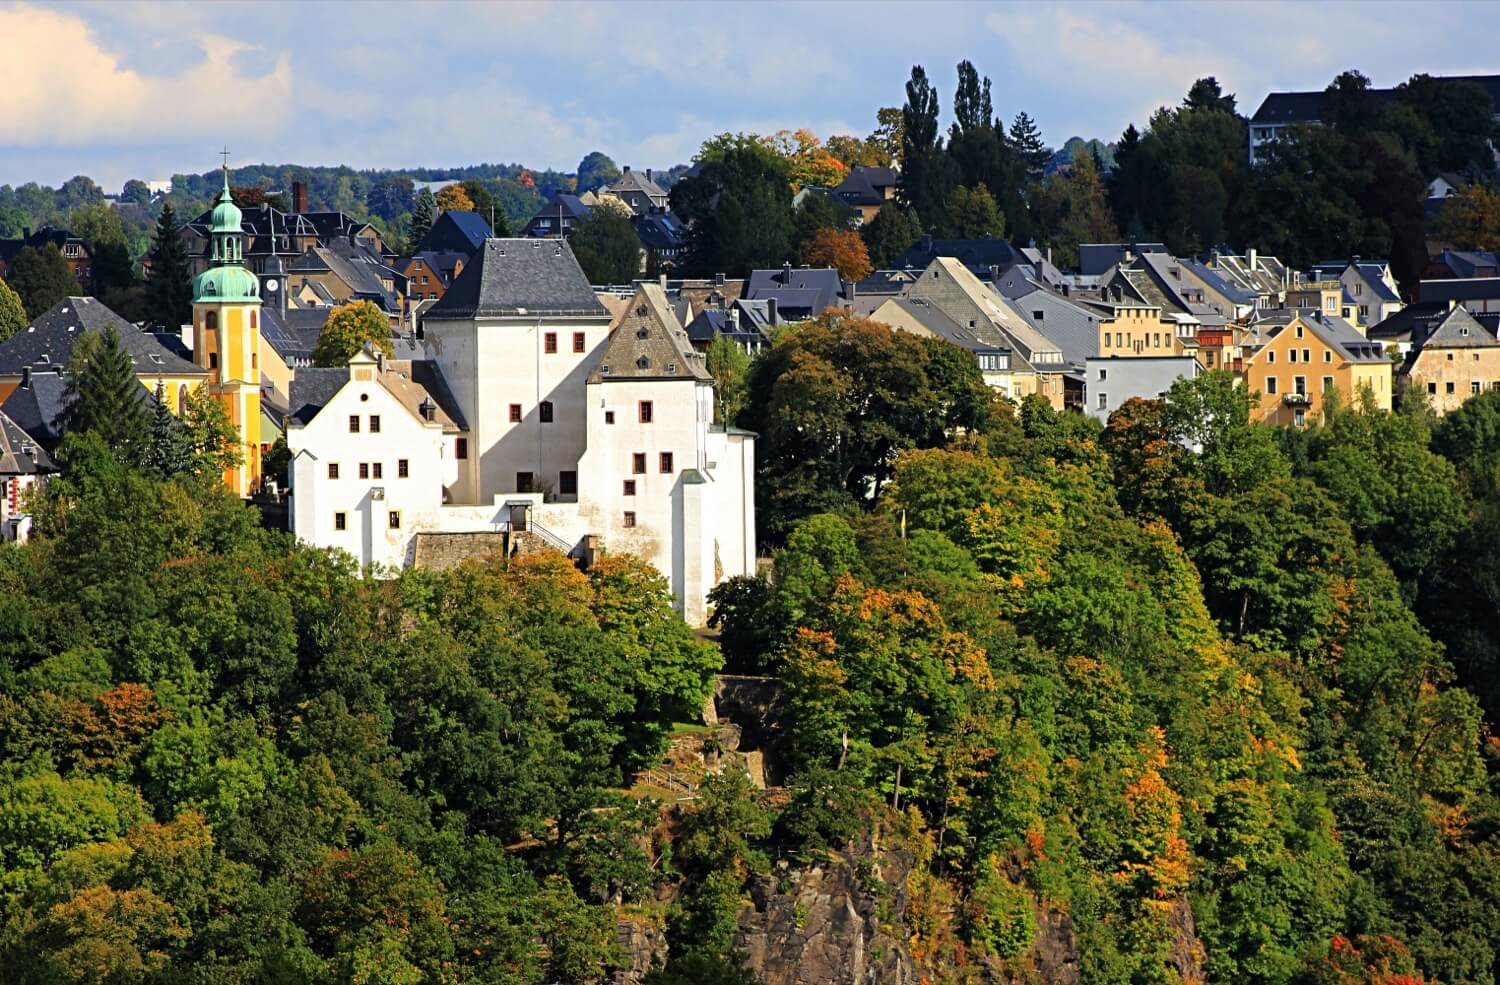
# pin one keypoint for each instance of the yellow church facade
(226, 337)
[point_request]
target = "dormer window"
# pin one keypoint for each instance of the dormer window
(643, 332)
(644, 362)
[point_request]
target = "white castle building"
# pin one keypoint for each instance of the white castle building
(532, 412)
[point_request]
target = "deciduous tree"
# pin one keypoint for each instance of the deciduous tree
(842, 250)
(349, 328)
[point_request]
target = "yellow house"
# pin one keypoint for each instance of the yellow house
(1140, 330)
(1456, 359)
(1302, 356)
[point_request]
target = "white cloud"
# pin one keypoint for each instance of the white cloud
(60, 87)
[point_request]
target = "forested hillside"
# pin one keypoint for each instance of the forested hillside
(1180, 699)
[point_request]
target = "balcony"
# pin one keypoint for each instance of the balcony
(1297, 399)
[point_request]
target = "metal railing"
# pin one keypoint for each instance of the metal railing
(547, 537)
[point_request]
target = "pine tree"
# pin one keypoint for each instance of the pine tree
(105, 396)
(169, 288)
(422, 216)
(167, 454)
(1026, 139)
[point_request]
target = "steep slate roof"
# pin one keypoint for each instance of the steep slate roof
(1219, 283)
(646, 342)
(1338, 334)
(1000, 324)
(865, 185)
(312, 387)
(560, 206)
(1074, 329)
(53, 335)
(293, 333)
(636, 181)
(20, 453)
(753, 326)
(40, 407)
(797, 290)
(935, 321)
(1097, 258)
(354, 264)
(660, 231)
(1412, 321)
(459, 232)
(1454, 329)
(519, 277)
(1371, 271)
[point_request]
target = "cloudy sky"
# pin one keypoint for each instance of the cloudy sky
(115, 89)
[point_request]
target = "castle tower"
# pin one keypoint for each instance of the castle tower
(226, 336)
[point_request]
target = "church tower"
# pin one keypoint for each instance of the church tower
(226, 336)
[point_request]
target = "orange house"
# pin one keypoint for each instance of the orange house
(1303, 356)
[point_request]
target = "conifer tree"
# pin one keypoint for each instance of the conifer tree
(1026, 139)
(167, 454)
(422, 216)
(169, 287)
(105, 397)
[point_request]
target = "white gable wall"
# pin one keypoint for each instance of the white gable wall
(366, 503)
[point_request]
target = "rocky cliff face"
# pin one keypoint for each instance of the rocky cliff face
(823, 922)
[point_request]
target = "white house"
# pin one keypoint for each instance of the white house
(535, 411)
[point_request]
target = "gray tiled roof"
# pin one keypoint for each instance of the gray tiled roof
(312, 387)
(1074, 329)
(647, 343)
(1456, 329)
(519, 277)
(293, 333)
(40, 407)
(52, 335)
(20, 453)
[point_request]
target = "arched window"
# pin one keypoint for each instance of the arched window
(254, 321)
(182, 400)
(211, 321)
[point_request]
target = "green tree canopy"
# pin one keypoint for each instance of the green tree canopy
(12, 312)
(606, 246)
(41, 278)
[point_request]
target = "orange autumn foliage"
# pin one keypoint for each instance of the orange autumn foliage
(841, 249)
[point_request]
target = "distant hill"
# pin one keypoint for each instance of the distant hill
(1069, 152)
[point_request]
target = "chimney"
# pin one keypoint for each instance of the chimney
(25, 377)
(786, 272)
(299, 197)
(662, 280)
(625, 170)
(1049, 254)
(718, 280)
(648, 174)
(734, 319)
(771, 311)
(1250, 257)
(927, 242)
